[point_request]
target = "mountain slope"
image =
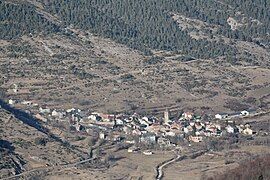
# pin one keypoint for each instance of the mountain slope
(188, 54)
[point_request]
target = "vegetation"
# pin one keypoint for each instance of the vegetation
(254, 169)
(19, 19)
(41, 141)
(139, 24)
(145, 24)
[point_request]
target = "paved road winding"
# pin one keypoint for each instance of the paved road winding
(166, 163)
(160, 167)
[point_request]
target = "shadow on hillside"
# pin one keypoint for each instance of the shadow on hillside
(28, 119)
(6, 146)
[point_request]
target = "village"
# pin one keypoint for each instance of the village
(143, 133)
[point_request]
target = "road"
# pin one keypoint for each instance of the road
(166, 163)
(48, 168)
(62, 166)
(160, 167)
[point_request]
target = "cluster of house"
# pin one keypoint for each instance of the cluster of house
(244, 113)
(45, 114)
(144, 129)
(163, 132)
(152, 130)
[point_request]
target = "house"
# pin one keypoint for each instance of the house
(207, 133)
(231, 129)
(241, 128)
(70, 110)
(218, 126)
(95, 117)
(195, 138)
(41, 118)
(188, 115)
(219, 132)
(35, 105)
(170, 133)
(233, 23)
(145, 119)
(28, 103)
(119, 122)
(107, 117)
(128, 120)
(197, 117)
(117, 137)
(247, 131)
(55, 113)
(244, 113)
(130, 141)
(136, 132)
(102, 135)
(11, 102)
(15, 88)
(133, 149)
(78, 127)
(127, 130)
(147, 152)
(144, 122)
(198, 126)
(211, 128)
(222, 116)
(188, 129)
(163, 141)
(75, 118)
(199, 133)
(152, 120)
(58, 114)
(148, 138)
(44, 110)
(155, 128)
(176, 126)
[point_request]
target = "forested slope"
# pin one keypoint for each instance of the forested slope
(17, 19)
(147, 24)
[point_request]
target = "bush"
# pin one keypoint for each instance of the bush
(41, 141)
(91, 141)
(155, 60)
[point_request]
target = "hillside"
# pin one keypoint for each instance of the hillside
(84, 82)
(149, 24)
(81, 53)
